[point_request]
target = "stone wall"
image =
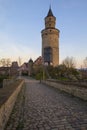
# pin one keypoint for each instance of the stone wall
(6, 108)
(76, 90)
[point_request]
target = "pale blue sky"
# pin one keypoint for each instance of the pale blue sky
(21, 22)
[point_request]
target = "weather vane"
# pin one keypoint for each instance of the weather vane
(50, 3)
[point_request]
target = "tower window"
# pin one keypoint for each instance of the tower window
(48, 54)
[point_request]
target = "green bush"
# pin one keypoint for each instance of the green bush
(2, 78)
(38, 76)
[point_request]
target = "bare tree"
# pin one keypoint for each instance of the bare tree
(85, 62)
(19, 61)
(5, 62)
(69, 62)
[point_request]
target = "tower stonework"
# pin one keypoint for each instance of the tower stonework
(50, 41)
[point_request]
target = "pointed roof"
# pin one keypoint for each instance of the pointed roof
(30, 61)
(50, 13)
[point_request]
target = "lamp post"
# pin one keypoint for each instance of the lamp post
(43, 69)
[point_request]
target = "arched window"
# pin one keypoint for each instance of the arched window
(48, 54)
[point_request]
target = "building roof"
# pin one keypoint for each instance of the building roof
(14, 64)
(38, 61)
(50, 13)
(4, 68)
(30, 61)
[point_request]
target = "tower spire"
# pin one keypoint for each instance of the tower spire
(50, 13)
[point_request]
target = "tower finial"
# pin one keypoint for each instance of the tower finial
(50, 4)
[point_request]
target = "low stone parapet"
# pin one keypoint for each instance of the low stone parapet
(73, 89)
(7, 106)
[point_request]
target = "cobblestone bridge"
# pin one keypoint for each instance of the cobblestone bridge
(40, 107)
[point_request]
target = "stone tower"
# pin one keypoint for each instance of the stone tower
(50, 41)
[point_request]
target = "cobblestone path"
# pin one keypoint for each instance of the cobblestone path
(46, 108)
